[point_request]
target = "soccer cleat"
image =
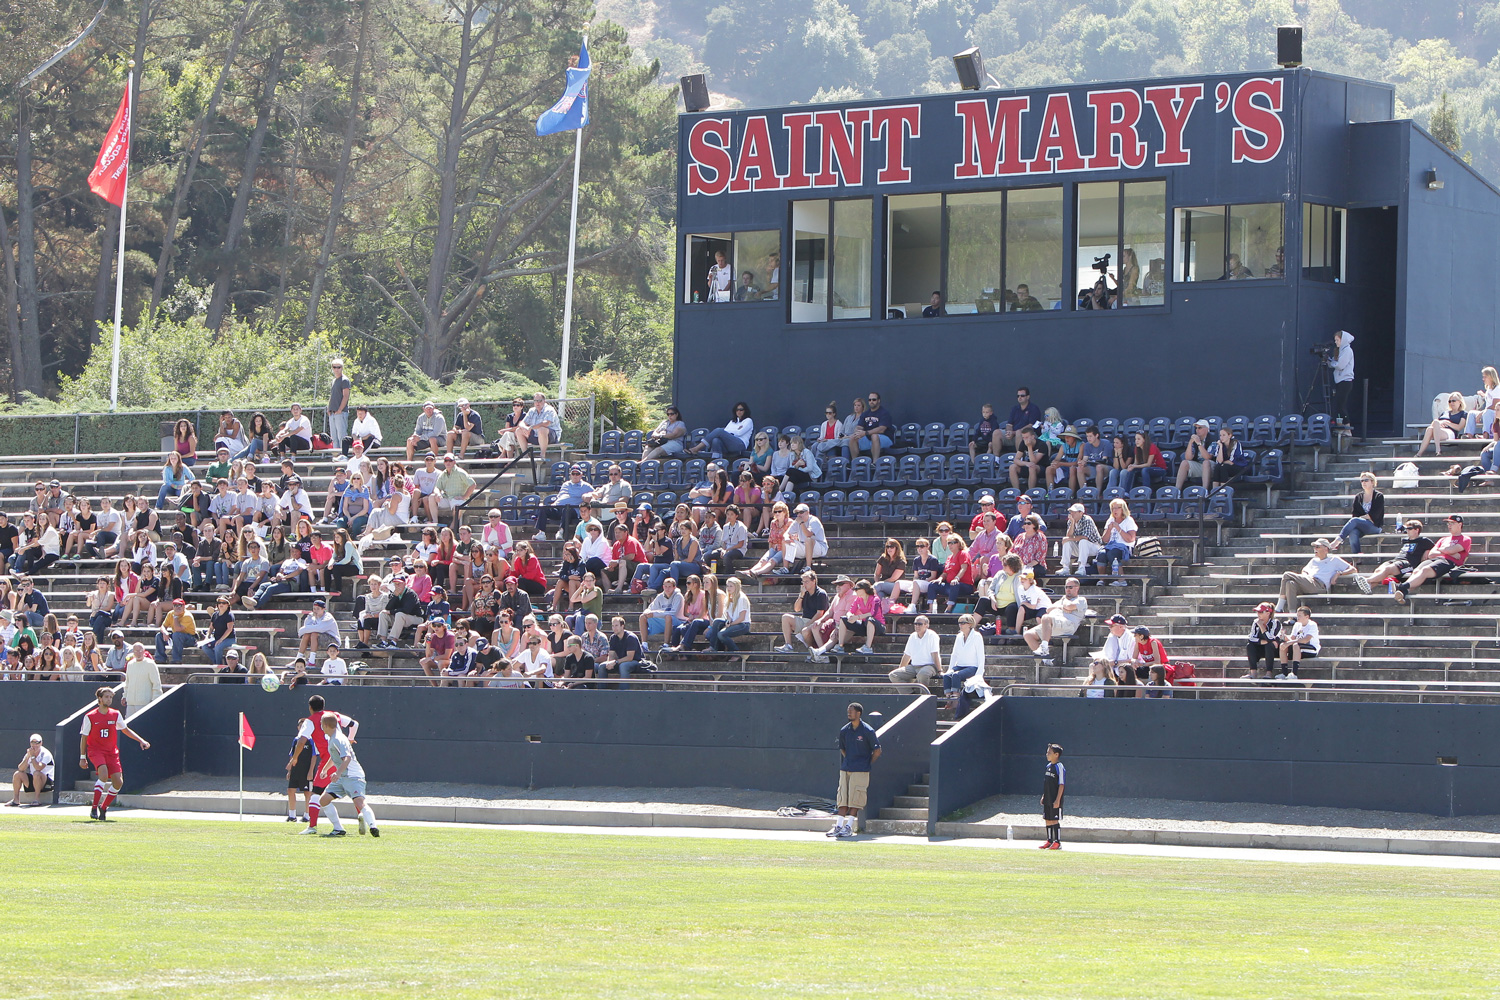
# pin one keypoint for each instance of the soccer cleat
(310, 831)
(1045, 847)
(1056, 845)
(291, 819)
(374, 831)
(102, 812)
(336, 833)
(363, 826)
(93, 812)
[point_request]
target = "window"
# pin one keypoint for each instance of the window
(1323, 229)
(1230, 243)
(985, 252)
(748, 271)
(846, 257)
(1125, 223)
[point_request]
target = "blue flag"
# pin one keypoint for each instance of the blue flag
(572, 109)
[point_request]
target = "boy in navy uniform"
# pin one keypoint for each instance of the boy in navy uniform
(859, 747)
(1052, 797)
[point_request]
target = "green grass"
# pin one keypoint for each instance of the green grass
(157, 908)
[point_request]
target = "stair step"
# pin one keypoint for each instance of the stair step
(911, 802)
(917, 789)
(893, 813)
(907, 827)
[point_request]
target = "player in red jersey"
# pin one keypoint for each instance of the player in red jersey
(99, 746)
(312, 730)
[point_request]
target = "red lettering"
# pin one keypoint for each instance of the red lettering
(1116, 141)
(796, 149)
(843, 144)
(1174, 106)
(895, 126)
(1057, 133)
(1261, 121)
(709, 157)
(992, 144)
(755, 154)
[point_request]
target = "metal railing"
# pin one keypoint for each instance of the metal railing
(651, 682)
(1422, 692)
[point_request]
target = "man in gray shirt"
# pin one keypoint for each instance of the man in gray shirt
(667, 605)
(431, 428)
(338, 404)
(616, 490)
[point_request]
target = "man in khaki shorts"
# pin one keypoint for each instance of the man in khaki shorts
(859, 747)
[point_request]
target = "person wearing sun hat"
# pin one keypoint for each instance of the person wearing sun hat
(1067, 462)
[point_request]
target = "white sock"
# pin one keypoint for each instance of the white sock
(291, 814)
(369, 815)
(332, 812)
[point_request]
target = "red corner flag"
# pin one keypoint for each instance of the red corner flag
(247, 735)
(112, 169)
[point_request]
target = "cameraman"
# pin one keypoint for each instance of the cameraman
(1341, 360)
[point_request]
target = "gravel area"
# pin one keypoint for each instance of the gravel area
(1237, 817)
(682, 801)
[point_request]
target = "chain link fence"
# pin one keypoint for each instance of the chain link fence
(142, 431)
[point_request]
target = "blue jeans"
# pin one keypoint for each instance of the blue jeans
(1355, 529)
(270, 590)
(654, 574)
(953, 680)
(680, 571)
(689, 633)
(721, 636)
(216, 650)
(1149, 476)
(1113, 551)
(162, 494)
(101, 622)
(214, 572)
(723, 444)
(953, 593)
(179, 640)
(255, 447)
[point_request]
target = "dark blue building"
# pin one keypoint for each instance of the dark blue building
(1244, 217)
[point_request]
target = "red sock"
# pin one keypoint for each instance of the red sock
(312, 814)
(98, 793)
(109, 798)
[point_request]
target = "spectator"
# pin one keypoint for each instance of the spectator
(665, 608)
(220, 632)
(1080, 541)
(174, 479)
(1264, 641)
(541, 425)
(625, 555)
(1024, 414)
(876, 426)
(956, 584)
(686, 553)
(535, 661)
(1118, 651)
(730, 441)
(829, 436)
(177, 628)
(805, 540)
(1062, 620)
(101, 603)
(316, 630)
(1317, 577)
(624, 651)
(468, 428)
(890, 568)
(925, 569)
(1149, 655)
(185, 442)
(1413, 552)
(849, 425)
(802, 468)
(528, 573)
(700, 607)
(1000, 595)
(381, 524)
(1146, 466)
(437, 647)
(1024, 511)
(294, 435)
(1230, 461)
(454, 488)
(749, 498)
(402, 610)
(825, 625)
(986, 504)
(734, 542)
(1033, 456)
(594, 552)
(934, 307)
(1301, 643)
(1095, 460)
(922, 659)
(1446, 427)
(1366, 515)
(290, 574)
(984, 547)
(431, 429)
(230, 434)
(509, 441)
(775, 558)
(614, 495)
(338, 404)
(668, 438)
(497, 533)
(762, 454)
(563, 505)
(34, 773)
(986, 433)
(365, 432)
(1118, 536)
(257, 437)
(1066, 468)
(965, 673)
(1446, 556)
(811, 601)
(1096, 683)
(1032, 546)
(1195, 462)
(864, 616)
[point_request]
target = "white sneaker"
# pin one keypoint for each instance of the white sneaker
(834, 830)
(1293, 677)
(865, 650)
(785, 647)
(1362, 584)
(1044, 650)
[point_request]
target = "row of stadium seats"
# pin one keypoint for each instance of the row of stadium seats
(1166, 502)
(1267, 430)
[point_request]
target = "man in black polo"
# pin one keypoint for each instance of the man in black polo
(859, 747)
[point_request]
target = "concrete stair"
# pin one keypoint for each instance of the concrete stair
(907, 815)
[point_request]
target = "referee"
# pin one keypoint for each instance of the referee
(859, 747)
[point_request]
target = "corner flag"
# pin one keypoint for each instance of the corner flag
(572, 109)
(247, 735)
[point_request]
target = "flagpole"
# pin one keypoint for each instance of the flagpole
(114, 363)
(242, 765)
(567, 336)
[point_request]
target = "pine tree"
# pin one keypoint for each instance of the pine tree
(1444, 127)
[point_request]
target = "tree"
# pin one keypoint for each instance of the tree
(1444, 126)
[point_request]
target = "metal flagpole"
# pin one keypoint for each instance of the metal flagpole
(114, 363)
(562, 384)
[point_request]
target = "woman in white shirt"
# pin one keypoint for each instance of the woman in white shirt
(733, 439)
(1094, 686)
(1118, 534)
(965, 663)
(735, 620)
(595, 553)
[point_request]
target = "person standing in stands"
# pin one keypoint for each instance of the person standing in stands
(1053, 780)
(338, 404)
(859, 749)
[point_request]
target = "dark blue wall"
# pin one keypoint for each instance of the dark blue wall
(904, 751)
(1360, 756)
(967, 762)
(30, 707)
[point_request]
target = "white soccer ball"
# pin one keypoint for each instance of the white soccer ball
(269, 682)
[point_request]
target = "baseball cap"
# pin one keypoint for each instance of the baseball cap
(1077, 508)
(179, 603)
(803, 508)
(481, 644)
(1118, 620)
(1142, 630)
(115, 633)
(437, 620)
(54, 483)
(1459, 518)
(333, 645)
(36, 737)
(644, 506)
(1023, 498)
(232, 651)
(987, 499)
(1201, 423)
(320, 603)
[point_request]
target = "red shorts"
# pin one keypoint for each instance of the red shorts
(103, 759)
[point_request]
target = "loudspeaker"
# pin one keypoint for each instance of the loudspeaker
(1289, 45)
(695, 93)
(969, 65)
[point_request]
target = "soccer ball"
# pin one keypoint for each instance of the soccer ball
(269, 682)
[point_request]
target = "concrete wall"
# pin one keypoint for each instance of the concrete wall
(904, 751)
(967, 762)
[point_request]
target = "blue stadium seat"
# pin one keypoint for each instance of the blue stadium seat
(961, 470)
(648, 473)
(696, 436)
(739, 465)
(671, 472)
(959, 504)
(1166, 504)
(609, 443)
(862, 471)
(666, 502)
(1159, 429)
(814, 501)
(643, 496)
(1140, 499)
(935, 470)
(1109, 428)
(1239, 427)
(833, 506)
(1263, 431)
(934, 505)
(1089, 497)
(858, 507)
(629, 469)
(601, 472)
(694, 470)
(1214, 423)
(885, 470)
(510, 508)
(1318, 430)
(958, 438)
(770, 431)
(1182, 429)
(1221, 503)
(909, 471)
(1059, 499)
(1193, 501)
(837, 471)
(791, 431)
(558, 472)
(1113, 493)
(1133, 426)
(1038, 499)
(633, 443)
(882, 504)
(1082, 424)
(1170, 457)
(932, 437)
(526, 512)
(1290, 431)
(907, 503)
(909, 438)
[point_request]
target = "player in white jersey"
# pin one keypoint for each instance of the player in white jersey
(343, 775)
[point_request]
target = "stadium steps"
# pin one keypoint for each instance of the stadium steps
(907, 815)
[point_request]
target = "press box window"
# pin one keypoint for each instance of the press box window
(1230, 243)
(749, 269)
(1122, 228)
(830, 247)
(1323, 233)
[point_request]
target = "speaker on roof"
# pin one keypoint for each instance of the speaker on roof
(970, 67)
(1289, 46)
(695, 93)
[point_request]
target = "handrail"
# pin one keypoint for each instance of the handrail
(362, 679)
(1301, 689)
(529, 453)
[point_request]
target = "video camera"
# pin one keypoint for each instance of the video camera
(1323, 351)
(1101, 264)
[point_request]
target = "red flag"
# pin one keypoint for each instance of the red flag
(247, 735)
(112, 169)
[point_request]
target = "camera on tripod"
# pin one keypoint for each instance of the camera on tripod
(1101, 264)
(1323, 351)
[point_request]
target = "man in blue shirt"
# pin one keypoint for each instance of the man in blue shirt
(859, 747)
(876, 425)
(1024, 414)
(564, 504)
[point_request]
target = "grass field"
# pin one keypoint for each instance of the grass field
(143, 907)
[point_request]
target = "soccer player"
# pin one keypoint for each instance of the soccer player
(312, 729)
(1052, 797)
(99, 745)
(344, 776)
(299, 768)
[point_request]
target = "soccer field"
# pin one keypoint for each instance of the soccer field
(144, 907)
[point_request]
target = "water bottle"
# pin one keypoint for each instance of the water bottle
(1114, 568)
(1010, 832)
(1400, 524)
(696, 297)
(1390, 587)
